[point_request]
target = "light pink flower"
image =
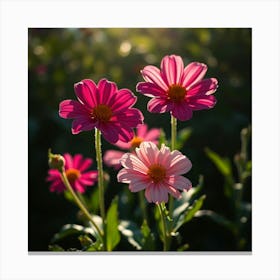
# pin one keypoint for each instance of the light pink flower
(159, 172)
(112, 157)
(103, 106)
(75, 169)
(177, 89)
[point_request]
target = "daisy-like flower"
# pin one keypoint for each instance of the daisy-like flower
(159, 172)
(112, 157)
(76, 171)
(103, 106)
(177, 89)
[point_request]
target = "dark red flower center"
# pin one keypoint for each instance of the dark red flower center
(72, 175)
(135, 142)
(156, 172)
(176, 93)
(102, 113)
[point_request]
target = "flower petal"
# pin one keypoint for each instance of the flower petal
(150, 89)
(182, 111)
(201, 102)
(106, 91)
(68, 161)
(193, 73)
(85, 164)
(172, 68)
(77, 159)
(70, 109)
(86, 92)
(131, 161)
(147, 153)
(124, 100)
(112, 158)
(82, 124)
(152, 74)
(179, 182)
(159, 105)
(206, 87)
(179, 165)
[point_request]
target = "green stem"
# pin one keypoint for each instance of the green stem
(173, 146)
(173, 132)
(100, 179)
(163, 227)
(79, 203)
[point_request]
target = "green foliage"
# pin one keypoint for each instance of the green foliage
(112, 232)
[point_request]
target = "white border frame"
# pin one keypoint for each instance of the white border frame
(17, 16)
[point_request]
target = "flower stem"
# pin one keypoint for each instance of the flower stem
(173, 147)
(100, 179)
(163, 227)
(173, 132)
(79, 203)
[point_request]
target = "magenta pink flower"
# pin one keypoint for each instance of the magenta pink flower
(103, 106)
(112, 157)
(177, 89)
(75, 169)
(159, 172)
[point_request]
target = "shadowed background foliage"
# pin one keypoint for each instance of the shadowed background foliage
(58, 58)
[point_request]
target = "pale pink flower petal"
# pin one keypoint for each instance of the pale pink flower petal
(156, 171)
(112, 158)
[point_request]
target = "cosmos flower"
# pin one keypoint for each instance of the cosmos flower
(103, 106)
(112, 157)
(75, 169)
(176, 89)
(158, 172)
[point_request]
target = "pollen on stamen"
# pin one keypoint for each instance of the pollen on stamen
(72, 175)
(135, 142)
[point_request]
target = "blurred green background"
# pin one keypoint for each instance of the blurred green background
(58, 58)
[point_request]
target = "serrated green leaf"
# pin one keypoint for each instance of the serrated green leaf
(189, 213)
(132, 233)
(183, 135)
(112, 233)
(222, 164)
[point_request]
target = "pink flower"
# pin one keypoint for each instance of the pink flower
(75, 169)
(103, 106)
(177, 89)
(157, 171)
(112, 157)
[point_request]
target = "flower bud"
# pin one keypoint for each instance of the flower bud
(56, 161)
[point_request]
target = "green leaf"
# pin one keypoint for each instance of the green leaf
(189, 213)
(183, 135)
(132, 233)
(112, 232)
(55, 248)
(222, 164)
(71, 229)
(148, 239)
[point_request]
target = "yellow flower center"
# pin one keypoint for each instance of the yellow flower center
(72, 175)
(157, 173)
(102, 113)
(176, 93)
(135, 142)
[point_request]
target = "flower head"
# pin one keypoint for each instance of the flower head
(103, 106)
(75, 169)
(159, 172)
(112, 157)
(177, 89)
